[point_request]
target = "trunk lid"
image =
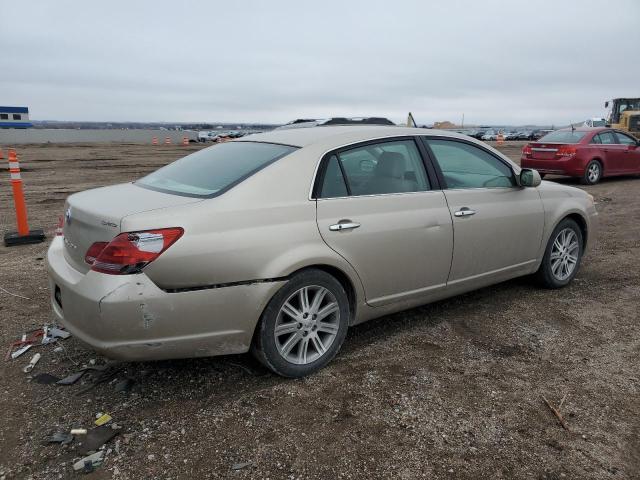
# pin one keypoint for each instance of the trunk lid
(96, 216)
(544, 151)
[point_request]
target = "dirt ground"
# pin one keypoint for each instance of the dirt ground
(449, 390)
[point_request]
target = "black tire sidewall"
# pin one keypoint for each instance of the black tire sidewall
(545, 273)
(264, 345)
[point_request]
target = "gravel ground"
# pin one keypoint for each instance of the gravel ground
(449, 390)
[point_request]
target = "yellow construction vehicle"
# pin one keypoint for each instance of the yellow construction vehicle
(625, 115)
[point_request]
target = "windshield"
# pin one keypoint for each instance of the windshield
(212, 171)
(563, 136)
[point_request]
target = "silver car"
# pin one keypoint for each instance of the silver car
(278, 242)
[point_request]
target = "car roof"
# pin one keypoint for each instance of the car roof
(303, 137)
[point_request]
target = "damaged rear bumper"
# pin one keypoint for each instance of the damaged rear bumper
(128, 317)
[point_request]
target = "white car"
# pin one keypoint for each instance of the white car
(595, 122)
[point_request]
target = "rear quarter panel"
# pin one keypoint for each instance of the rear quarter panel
(263, 228)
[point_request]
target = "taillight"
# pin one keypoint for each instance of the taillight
(93, 252)
(130, 252)
(566, 151)
(526, 150)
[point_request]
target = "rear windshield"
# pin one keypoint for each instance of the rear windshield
(563, 136)
(212, 171)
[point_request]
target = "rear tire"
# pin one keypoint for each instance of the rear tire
(562, 256)
(592, 173)
(303, 326)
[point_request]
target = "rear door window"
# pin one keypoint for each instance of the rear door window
(466, 166)
(607, 138)
(376, 169)
(214, 170)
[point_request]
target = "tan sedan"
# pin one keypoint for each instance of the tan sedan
(278, 242)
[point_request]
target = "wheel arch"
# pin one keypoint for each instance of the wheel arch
(344, 280)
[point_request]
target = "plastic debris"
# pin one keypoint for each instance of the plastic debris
(240, 466)
(90, 462)
(30, 366)
(78, 431)
(60, 437)
(51, 334)
(45, 378)
(73, 378)
(20, 351)
(95, 438)
(102, 419)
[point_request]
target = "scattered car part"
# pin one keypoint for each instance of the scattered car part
(90, 462)
(60, 437)
(32, 363)
(102, 419)
(95, 438)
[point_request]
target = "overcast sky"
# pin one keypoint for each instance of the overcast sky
(272, 61)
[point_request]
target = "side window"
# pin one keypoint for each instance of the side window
(596, 139)
(17, 116)
(386, 167)
(333, 183)
(607, 138)
(625, 139)
(4, 116)
(467, 166)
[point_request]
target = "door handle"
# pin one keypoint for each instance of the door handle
(343, 226)
(465, 212)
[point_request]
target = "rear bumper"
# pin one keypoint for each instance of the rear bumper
(571, 167)
(127, 317)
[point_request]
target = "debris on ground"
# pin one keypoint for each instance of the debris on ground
(51, 334)
(556, 412)
(90, 462)
(78, 431)
(43, 336)
(240, 466)
(20, 351)
(73, 378)
(45, 378)
(95, 438)
(60, 437)
(102, 418)
(32, 363)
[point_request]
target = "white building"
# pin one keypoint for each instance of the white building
(14, 117)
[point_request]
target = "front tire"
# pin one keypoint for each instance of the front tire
(303, 326)
(593, 173)
(562, 256)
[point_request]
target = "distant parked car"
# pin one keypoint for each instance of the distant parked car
(489, 135)
(595, 122)
(585, 153)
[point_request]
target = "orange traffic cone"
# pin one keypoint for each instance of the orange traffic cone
(154, 141)
(167, 141)
(23, 235)
(185, 141)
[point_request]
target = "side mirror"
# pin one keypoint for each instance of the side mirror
(529, 178)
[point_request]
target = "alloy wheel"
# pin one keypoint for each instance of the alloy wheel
(564, 254)
(307, 324)
(593, 173)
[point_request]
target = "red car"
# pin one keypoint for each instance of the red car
(586, 153)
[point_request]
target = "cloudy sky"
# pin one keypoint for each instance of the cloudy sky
(271, 61)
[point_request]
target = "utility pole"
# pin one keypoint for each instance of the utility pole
(462, 125)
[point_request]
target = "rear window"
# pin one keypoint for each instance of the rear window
(212, 171)
(563, 136)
